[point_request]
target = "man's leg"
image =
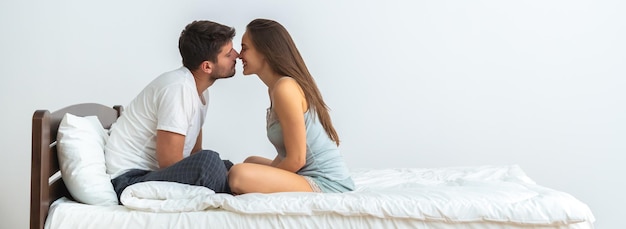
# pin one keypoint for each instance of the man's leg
(203, 168)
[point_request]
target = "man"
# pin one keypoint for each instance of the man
(159, 135)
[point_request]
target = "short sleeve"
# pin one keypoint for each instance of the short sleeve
(175, 108)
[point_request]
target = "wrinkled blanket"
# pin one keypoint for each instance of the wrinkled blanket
(456, 194)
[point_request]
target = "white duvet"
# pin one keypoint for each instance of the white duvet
(462, 194)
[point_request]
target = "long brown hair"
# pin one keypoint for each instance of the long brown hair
(272, 40)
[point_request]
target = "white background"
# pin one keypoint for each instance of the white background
(420, 83)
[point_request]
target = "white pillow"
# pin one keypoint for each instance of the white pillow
(80, 148)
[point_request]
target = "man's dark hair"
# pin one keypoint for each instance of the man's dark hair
(201, 41)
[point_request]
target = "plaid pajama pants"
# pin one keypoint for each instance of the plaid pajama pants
(203, 168)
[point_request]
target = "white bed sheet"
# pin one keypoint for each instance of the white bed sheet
(67, 214)
(461, 197)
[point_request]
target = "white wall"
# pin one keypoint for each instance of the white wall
(423, 84)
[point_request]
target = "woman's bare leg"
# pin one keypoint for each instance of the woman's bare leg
(258, 160)
(248, 177)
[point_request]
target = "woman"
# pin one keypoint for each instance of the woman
(298, 123)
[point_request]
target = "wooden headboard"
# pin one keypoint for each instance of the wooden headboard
(46, 184)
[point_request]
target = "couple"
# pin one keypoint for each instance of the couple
(159, 135)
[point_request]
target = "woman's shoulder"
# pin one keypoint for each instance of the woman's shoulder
(287, 85)
(285, 80)
(287, 91)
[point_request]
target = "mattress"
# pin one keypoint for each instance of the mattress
(455, 197)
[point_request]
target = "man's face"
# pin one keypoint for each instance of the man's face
(226, 60)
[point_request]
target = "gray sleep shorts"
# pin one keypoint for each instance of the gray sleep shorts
(325, 185)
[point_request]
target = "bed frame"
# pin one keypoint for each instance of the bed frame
(46, 183)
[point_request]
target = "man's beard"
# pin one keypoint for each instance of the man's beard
(223, 74)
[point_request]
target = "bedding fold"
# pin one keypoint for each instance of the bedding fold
(456, 194)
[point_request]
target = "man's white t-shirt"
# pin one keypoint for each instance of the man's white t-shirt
(171, 103)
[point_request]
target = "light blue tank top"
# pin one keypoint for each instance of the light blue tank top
(323, 158)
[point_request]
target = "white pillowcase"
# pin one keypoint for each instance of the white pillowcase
(80, 148)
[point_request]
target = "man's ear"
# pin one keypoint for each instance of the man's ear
(206, 67)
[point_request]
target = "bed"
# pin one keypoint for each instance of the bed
(491, 196)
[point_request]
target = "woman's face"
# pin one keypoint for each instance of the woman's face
(251, 59)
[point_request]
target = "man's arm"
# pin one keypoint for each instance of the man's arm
(169, 148)
(198, 146)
